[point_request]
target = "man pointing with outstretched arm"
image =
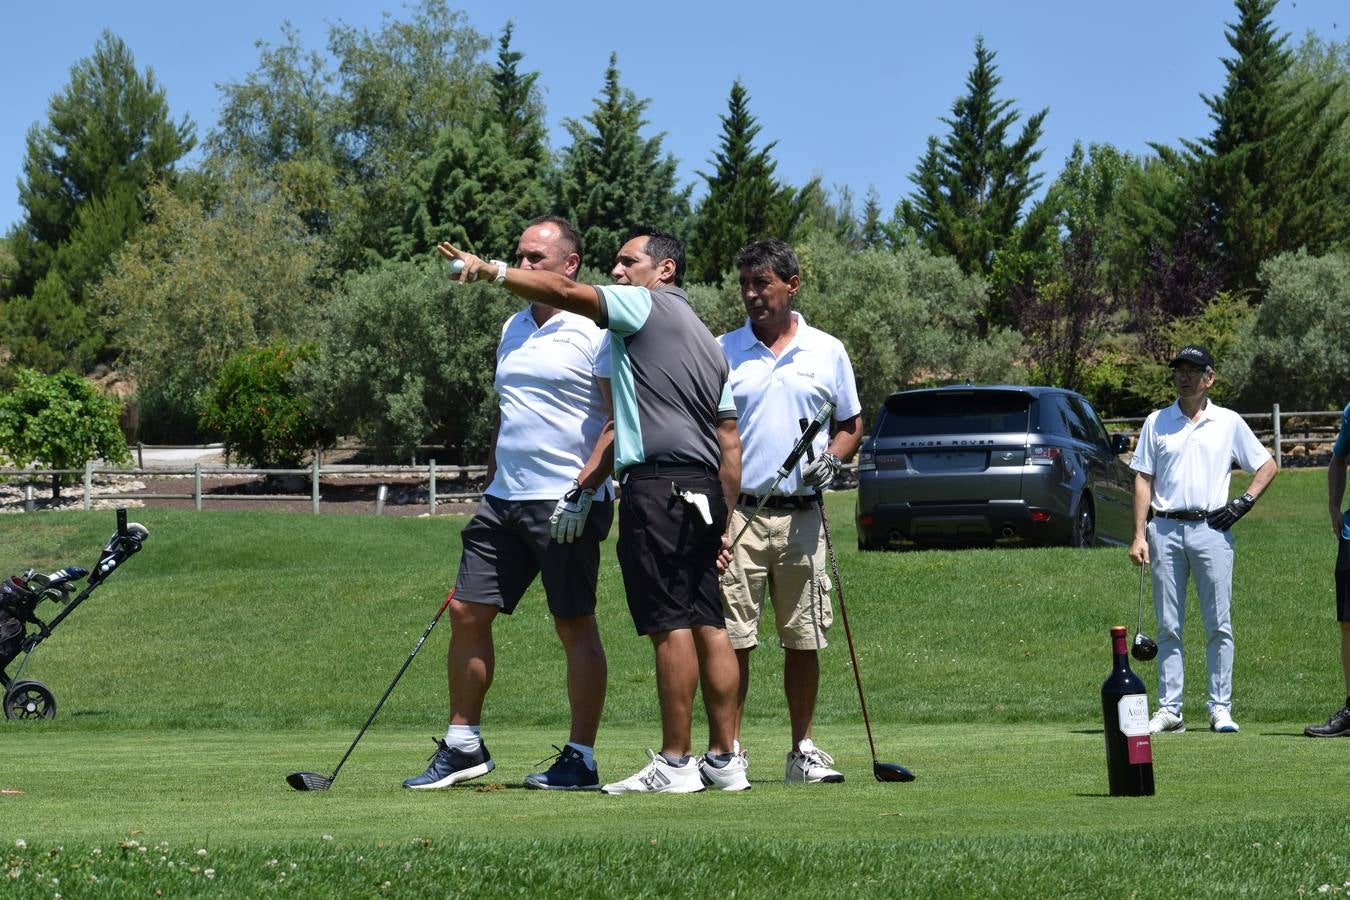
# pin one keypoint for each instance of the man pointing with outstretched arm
(678, 459)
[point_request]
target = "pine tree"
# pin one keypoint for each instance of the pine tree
(478, 188)
(613, 178)
(108, 136)
(744, 201)
(973, 184)
(1268, 177)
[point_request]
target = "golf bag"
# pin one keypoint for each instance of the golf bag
(20, 596)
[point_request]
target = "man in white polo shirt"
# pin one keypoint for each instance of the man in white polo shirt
(553, 440)
(1182, 465)
(783, 371)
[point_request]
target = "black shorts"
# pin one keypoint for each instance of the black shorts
(507, 544)
(667, 551)
(1343, 582)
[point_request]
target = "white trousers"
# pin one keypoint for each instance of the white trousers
(1179, 550)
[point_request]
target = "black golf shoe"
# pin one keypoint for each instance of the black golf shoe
(450, 765)
(569, 772)
(1337, 726)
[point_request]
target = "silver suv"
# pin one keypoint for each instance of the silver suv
(981, 464)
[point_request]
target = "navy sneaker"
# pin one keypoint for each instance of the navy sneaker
(569, 772)
(450, 765)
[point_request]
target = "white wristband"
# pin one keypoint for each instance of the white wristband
(501, 270)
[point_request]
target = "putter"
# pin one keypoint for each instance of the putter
(803, 444)
(1144, 648)
(882, 771)
(313, 781)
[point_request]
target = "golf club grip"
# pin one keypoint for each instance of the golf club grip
(803, 442)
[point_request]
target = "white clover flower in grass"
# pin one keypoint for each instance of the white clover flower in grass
(21, 843)
(271, 863)
(327, 837)
(14, 874)
(210, 873)
(201, 851)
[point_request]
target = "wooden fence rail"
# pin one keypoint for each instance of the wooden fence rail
(1277, 429)
(430, 473)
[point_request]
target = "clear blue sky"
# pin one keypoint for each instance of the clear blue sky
(849, 90)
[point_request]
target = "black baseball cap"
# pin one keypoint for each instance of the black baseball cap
(1194, 354)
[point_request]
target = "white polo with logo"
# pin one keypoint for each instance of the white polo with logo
(551, 408)
(774, 393)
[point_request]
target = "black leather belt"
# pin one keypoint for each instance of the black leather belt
(1185, 515)
(777, 501)
(658, 469)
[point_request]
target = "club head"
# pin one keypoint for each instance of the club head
(1144, 648)
(309, 781)
(891, 772)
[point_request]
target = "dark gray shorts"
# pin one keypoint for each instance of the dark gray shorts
(507, 544)
(668, 553)
(1343, 582)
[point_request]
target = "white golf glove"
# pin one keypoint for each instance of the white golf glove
(569, 516)
(821, 471)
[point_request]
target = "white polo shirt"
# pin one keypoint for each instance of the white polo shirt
(1191, 462)
(551, 409)
(773, 394)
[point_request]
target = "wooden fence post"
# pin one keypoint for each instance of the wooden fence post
(431, 485)
(1276, 417)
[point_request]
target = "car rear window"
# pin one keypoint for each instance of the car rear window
(955, 412)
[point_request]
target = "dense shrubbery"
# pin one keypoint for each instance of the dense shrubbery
(257, 410)
(59, 421)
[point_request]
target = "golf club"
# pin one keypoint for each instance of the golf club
(809, 431)
(313, 781)
(882, 771)
(1144, 648)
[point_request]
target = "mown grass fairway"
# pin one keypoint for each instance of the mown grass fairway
(240, 647)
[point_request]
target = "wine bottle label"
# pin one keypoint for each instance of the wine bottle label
(1132, 711)
(1139, 749)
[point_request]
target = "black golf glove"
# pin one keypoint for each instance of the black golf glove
(1223, 518)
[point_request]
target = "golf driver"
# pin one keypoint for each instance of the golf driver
(809, 431)
(882, 771)
(313, 781)
(1144, 648)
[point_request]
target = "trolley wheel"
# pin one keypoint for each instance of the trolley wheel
(29, 700)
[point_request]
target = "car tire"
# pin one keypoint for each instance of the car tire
(1084, 531)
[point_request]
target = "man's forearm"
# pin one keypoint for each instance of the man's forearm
(1143, 496)
(729, 471)
(1336, 483)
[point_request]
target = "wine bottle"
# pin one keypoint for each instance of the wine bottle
(1129, 754)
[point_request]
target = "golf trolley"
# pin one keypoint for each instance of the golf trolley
(19, 599)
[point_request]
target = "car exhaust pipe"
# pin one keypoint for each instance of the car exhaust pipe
(1008, 531)
(894, 537)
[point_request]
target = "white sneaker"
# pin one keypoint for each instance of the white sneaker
(660, 776)
(1221, 720)
(1164, 722)
(731, 777)
(809, 764)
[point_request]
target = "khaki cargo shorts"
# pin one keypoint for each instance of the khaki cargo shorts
(783, 555)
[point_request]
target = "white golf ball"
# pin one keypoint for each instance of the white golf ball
(456, 266)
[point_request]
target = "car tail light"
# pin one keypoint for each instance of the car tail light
(1040, 515)
(865, 519)
(1041, 455)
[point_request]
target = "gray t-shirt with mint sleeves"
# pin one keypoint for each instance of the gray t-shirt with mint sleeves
(669, 378)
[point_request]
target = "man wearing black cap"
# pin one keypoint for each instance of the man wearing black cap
(1182, 517)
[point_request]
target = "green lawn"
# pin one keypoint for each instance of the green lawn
(239, 647)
